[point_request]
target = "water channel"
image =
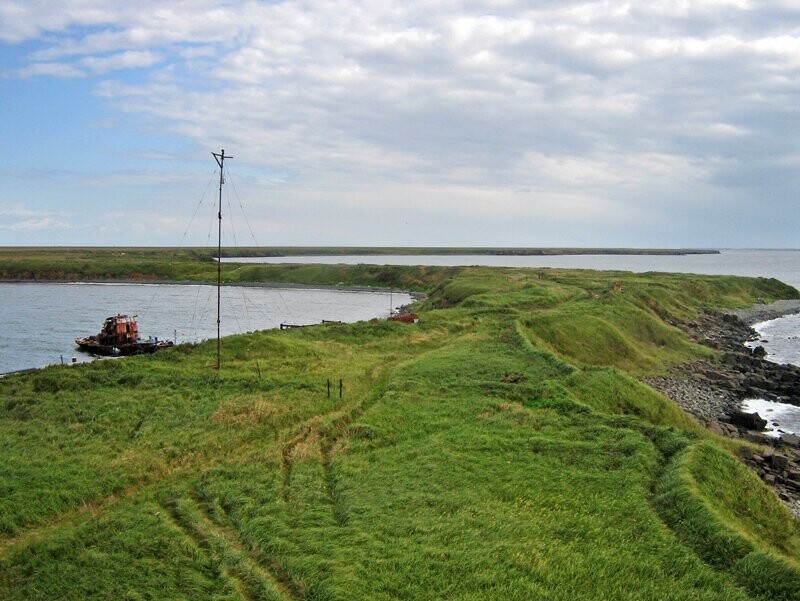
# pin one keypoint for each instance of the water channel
(40, 321)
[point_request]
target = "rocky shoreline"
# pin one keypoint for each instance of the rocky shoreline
(713, 390)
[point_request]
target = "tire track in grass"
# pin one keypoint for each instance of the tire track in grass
(272, 568)
(175, 522)
(242, 568)
(288, 452)
(94, 508)
(328, 428)
(337, 429)
(332, 486)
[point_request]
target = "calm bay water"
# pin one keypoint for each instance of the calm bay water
(40, 321)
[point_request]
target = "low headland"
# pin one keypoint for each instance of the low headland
(507, 446)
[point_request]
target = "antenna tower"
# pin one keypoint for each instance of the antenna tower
(220, 158)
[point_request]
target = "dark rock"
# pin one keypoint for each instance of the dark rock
(790, 439)
(751, 421)
(759, 351)
(715, 427)
(769, 479)
(780, 462)
(758, 438)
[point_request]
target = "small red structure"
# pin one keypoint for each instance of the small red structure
(405, 318)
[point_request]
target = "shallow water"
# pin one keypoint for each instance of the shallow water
(39, 322)
(780, 338)
(779, 416)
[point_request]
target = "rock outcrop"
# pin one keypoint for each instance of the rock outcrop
(713, 390)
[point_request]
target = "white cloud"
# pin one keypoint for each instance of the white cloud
(726, 130)
(64, 70)
(580, 101)
(122, 60)
(36, 225)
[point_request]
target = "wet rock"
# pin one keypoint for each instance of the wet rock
(713, 389)
(751, 421)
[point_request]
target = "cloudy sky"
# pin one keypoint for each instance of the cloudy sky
(666, 123)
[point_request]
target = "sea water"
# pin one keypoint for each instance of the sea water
(781, 339)
(780, 417)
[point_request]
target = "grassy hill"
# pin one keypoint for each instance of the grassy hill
(499, 449)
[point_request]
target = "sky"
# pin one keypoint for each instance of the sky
(666, 123)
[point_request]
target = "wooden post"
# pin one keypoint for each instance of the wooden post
(341, 386)
(329, 389)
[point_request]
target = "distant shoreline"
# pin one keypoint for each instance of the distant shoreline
(283, 251)
(327, 251)
(416, 295)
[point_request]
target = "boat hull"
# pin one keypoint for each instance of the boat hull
(91, 345)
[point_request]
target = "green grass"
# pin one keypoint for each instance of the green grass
(479, 454)
(193, 265)
(738, 529)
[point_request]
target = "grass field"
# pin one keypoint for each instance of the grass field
(500, 449)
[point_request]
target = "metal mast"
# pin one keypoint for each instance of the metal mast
(220, 158)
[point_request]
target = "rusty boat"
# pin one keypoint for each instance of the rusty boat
(120, 336)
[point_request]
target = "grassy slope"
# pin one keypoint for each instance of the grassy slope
(481, 454)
